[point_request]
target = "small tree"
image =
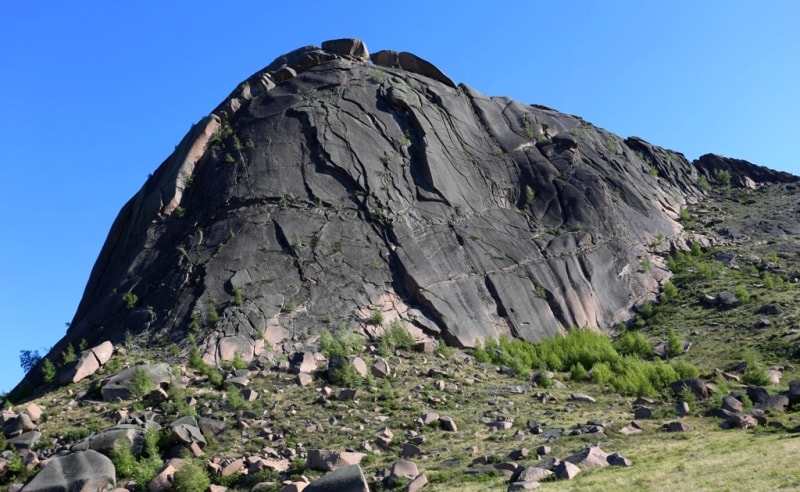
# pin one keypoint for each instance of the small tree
(674, 345)
(28, 359)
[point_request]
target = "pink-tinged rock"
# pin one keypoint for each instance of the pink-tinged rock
(381, 368)
(275, 334)
(589, 457)
(103, 352)
(533, 474)
(235, 466)
(359, 365)
(304, 379)
(303, 362)
(418, 483)
(430, 418)
(163, 480)
(84, 366)
(401, 469)
(326, 460)
(34, 411)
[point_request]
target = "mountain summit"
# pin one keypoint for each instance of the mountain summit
(335, 188)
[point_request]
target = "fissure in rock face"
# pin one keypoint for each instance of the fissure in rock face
(327, 188)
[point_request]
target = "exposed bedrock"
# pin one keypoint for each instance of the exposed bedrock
(325, 188)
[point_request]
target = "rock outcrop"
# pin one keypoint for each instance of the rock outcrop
(327, 188)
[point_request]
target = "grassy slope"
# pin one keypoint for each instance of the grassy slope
(707, 458)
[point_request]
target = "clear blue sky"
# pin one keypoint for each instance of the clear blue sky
(96, 94)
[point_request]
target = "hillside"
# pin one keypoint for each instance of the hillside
(364, 257)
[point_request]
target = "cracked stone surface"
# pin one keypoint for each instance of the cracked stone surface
(325, 187)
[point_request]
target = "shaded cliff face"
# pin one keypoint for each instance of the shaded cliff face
(326, 189)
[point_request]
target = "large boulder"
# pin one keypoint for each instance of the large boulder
(86, 363)
(355, 48)
(83, 471)
(118, 386)
(345, 479)
(326, 460)
(105, 441)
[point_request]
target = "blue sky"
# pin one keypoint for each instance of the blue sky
(95, 95)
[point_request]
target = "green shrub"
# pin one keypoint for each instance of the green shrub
(191, 477)
(479, 353)
(375, 318)
(755, 373)
(347, 376)
(68, 355)
(130, 299)
(213, 317)
(398, 336)
(48, 371)
(238, 299)
(601, 373)
(343, 343)
(741, 293)
(722, 176)
(669, 292)
(530, 196)
(674, 345)
(142, 384)
(633, 343)
(684, 369)
(236, 401)
(578, 372)
(443, 349)
(123, 459)
(238, 362)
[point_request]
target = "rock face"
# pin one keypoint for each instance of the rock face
(324, 187)
(84, 470)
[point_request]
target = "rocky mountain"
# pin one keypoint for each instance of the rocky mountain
(340, 189)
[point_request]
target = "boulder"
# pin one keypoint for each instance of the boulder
(448, 424)
(303, 362)
(105, 441)
(27, 440)
(118, 386)
(80, 471)
(617, 459)
(350, 47)
(566, 470)
(325, 460)
(523, 485)
(677, 426)
(33, 411)
(186, 432)
(381, 368)
(211, 427)
(642, 413)
(731, 404)
(581, 397)
(400, 469)
(757, 394)
(532, 474)
(588, 457)
(358, 364)
(696, 385)
(348, 478)
(417, 483)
